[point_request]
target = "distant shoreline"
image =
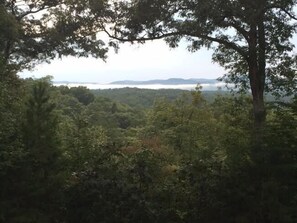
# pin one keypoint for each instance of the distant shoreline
(170, 82)
(94, 86)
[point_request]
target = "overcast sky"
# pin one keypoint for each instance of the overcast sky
(153, 60)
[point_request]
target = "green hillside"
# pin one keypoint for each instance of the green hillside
(145, 98)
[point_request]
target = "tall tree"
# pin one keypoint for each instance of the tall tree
(251, 38)
(43, 166)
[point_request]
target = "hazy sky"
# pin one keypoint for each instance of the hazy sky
(153, 60)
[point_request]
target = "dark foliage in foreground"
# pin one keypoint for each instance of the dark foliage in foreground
(69, 156)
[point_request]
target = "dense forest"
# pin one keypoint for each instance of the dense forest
(72, 155)
(145, 98)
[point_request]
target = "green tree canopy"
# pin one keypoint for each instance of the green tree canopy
(37, 31)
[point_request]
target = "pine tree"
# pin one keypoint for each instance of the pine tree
(42, 180)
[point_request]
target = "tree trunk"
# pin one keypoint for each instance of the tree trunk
(257, 65)
(258, 104)
(257, 87)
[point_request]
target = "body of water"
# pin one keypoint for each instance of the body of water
(205, 87)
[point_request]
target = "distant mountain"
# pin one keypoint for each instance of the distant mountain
(171, 81)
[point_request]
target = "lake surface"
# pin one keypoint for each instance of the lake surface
(205, 87)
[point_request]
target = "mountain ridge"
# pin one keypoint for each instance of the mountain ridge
(170, 81)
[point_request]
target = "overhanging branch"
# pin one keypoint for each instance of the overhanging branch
(140, 39)
(228, 44)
